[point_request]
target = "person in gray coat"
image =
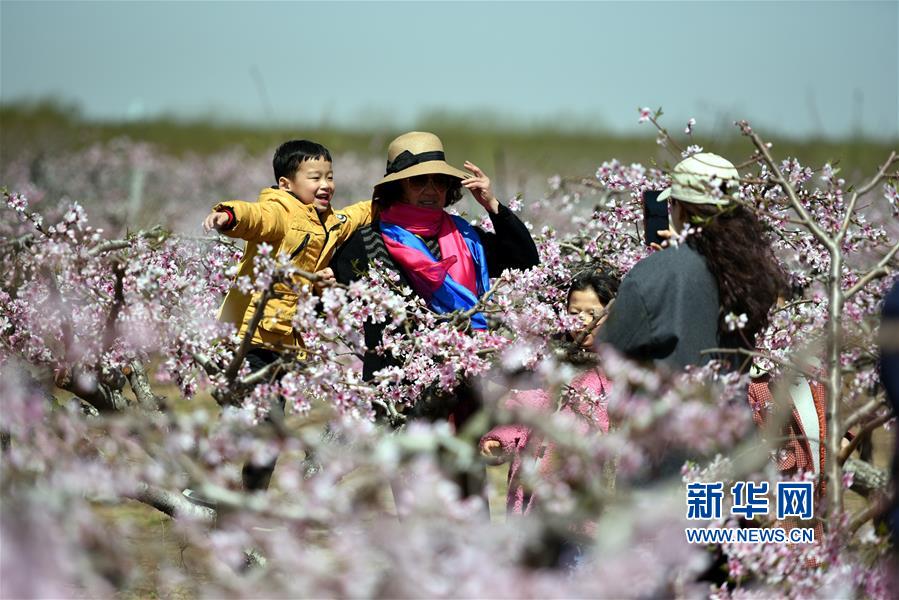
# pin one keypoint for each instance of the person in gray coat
(712, 291)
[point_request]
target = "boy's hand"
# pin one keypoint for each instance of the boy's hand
(479, 186)
(325, 279)
(215, 220)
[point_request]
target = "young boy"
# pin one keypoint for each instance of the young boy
(295, 217)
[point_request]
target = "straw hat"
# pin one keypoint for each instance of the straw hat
(417, 153)
(693, 179)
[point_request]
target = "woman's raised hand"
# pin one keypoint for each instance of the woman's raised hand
(479, 186)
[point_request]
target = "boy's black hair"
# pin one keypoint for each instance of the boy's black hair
(290, 155)
(604, 282)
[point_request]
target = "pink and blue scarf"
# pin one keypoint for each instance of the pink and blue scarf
(453, 283)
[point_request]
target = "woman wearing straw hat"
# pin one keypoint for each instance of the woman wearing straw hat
(442, 258)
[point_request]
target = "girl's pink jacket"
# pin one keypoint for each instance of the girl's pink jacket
(515, 439)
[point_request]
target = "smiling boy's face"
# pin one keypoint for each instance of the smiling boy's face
(313, 183)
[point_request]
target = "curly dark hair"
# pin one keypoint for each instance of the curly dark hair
(388, 193)
(739, 255)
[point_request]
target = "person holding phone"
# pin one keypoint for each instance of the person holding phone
(655, 219)
(680, 301)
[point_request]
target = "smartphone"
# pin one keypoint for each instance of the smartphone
(655, 217)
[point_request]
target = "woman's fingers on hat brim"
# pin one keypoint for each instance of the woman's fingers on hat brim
(473, 168)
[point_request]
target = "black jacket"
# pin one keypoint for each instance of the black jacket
(511, 247)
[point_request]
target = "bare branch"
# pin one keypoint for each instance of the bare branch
(396, 417)
(868, 408)
(667, 136)
(464, 317)
(866, 478)
(102, 392)
(140, 384)
(783, 363)
(237, 361)
(109, 331)
(792, 304)
(880, 270)
(580, 251)
(203, 360)
(847, 220)
(868, 428)
(881, 173)
(173, 504)
(262, 374)
(875, 509)
(597, 318)
(112, 245)
(18, 243)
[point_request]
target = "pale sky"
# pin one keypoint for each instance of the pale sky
(798, 68)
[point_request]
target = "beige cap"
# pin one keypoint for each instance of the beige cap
(417, 153)
(692, 180)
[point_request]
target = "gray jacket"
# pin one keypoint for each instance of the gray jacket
(666, 310)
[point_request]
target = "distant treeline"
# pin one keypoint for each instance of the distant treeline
(50, 127)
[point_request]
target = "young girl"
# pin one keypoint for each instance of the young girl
(589, 294)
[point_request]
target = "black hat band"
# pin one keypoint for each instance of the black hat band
(406, 159)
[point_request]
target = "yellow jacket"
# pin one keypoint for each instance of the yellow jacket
(297, 230)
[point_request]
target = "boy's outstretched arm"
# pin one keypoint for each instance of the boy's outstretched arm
(265, 220)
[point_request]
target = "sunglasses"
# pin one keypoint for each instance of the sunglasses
(437, 180)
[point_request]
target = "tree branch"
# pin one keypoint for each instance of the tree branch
(783, 363)
(261, 374)
(868, 428)
(112, 245)
(784, 183)
(880, 270)
(847, 220)
(597, 318)
(173, 504)
(237, 361)
(109, 331)
(206, 364)
(792, 304)
(866, 478)
(140, 384)
(875, 509)
(866, 409)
